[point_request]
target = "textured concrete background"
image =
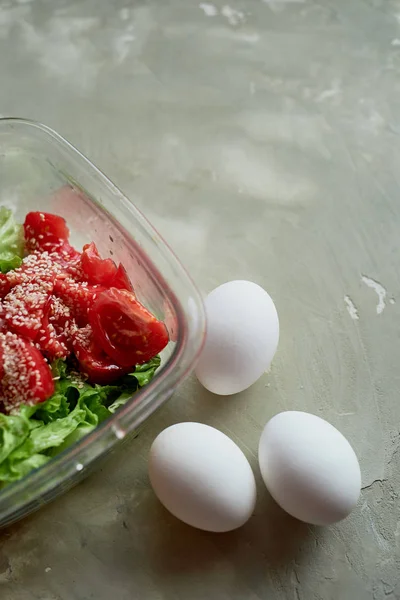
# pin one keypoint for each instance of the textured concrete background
(262, 139)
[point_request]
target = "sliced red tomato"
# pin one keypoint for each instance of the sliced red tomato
(93, 362)
(44, 232)
(5, 285)
(97, 270)
(125, 329)
(66, 255)
(26, 376)
(2, 407)
(121, 280)
(3, 322)
(58, 326)
(38, 267)
(24, 308)
(68, 252)
(68, 263)
(78, 296)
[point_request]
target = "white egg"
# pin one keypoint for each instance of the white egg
(242, 337)
(309, 468)
(202, 477)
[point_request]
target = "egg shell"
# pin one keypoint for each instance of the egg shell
(309, 468)
(202, 477)
(242, 337)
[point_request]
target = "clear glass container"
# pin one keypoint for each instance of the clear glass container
(39, 170)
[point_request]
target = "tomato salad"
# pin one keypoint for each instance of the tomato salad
(75, 342)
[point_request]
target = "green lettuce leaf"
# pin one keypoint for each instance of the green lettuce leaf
(28, 440)
(11, 241)
(13, 471)
(144, 373)
(14, 430)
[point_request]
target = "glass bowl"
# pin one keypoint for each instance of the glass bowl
(39, 170)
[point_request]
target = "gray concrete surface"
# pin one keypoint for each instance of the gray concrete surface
(262, 139)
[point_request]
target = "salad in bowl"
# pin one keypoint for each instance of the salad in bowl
(75, 342)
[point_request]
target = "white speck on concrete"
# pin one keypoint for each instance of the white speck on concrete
(122, 44)
(382, 542)
(250, 38)
(279, 5)
(395, 42)
(379, 289)
(209, 9)
(234, 16)
(397, 530)
(392, 301)
(124, 14)
(47, 570)
(332, 92)
(351, 308)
